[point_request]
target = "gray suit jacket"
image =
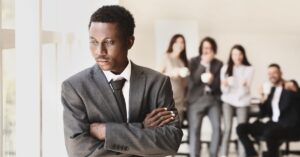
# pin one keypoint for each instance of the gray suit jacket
(87, 98)
(196, 86)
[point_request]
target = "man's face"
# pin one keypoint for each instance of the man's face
(274, 75)
(207, 52)
(108, 46)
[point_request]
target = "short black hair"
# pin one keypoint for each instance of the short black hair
(212, 42)
(275, 65)
(115, 14)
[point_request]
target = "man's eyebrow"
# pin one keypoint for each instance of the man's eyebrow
(107, 38)
(92, 37)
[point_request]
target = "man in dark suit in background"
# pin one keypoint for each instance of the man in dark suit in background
(282, 107)
(117, 108)
(204, 96)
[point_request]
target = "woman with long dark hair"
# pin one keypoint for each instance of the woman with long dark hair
(175, 66)
(236, 78)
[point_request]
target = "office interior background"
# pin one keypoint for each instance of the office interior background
(43, 42)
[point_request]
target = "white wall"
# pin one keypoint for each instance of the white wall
(269, 30)
(165, 29)
(51, 45)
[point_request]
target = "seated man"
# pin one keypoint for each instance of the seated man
(281, 106)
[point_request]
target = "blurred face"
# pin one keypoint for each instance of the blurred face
(237, 56)
(178, 46)
(108, 47)
(274, 75)
(207, 52)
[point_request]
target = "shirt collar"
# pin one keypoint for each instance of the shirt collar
(125, 74)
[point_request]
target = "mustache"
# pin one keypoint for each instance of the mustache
(102, 57)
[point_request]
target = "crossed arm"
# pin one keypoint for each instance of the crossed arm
(156, 136)
(157, 118)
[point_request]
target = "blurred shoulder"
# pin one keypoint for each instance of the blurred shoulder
(148, 72)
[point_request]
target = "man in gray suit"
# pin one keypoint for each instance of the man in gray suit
(117, 108)
(204, 96)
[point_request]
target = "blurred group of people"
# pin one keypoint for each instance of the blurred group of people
(204, 86)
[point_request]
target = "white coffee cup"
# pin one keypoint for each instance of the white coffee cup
(205, 77)
(184, 72)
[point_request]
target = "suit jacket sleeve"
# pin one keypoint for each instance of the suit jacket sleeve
(78, 141)
(216, 83)
(263, 110)
(128, 138)
(196, 71)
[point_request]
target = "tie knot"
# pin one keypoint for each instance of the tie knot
(118, 84)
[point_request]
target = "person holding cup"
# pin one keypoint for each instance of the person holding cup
(175, 65)
(204, 96)
(236, 78)
(279, 118)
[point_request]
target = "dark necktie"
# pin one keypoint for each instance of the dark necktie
(271, 95)
(117, 87)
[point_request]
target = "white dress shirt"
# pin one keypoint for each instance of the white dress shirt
(126, 75)
(236, 93)
(207, 70)
(275, 104)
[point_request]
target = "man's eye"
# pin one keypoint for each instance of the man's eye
(109, 43)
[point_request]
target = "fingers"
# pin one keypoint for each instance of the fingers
(166, 121)
(162, 118)
(93, 129)
(98, 130)
(161, 114)
(158, 116)
(157, 110)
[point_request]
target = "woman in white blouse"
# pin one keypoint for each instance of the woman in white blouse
(236, 78)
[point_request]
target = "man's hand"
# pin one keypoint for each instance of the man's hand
(207, 77)
(98, 130)
(210, 78)
(158, 117)
(225, 83)
(290, 86)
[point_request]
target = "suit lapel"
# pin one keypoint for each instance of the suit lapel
(199, 65)
(136, 92)
(284, 100)
(213, 66)
(107, 94)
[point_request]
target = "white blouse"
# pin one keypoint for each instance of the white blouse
(237, 93)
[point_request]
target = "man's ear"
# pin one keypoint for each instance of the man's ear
(130, 42)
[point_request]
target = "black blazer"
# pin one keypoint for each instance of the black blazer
(288, 105)
(196, 86)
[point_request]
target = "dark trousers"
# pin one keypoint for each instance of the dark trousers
(271, 132)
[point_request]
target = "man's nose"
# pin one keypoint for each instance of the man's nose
(101, 50)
